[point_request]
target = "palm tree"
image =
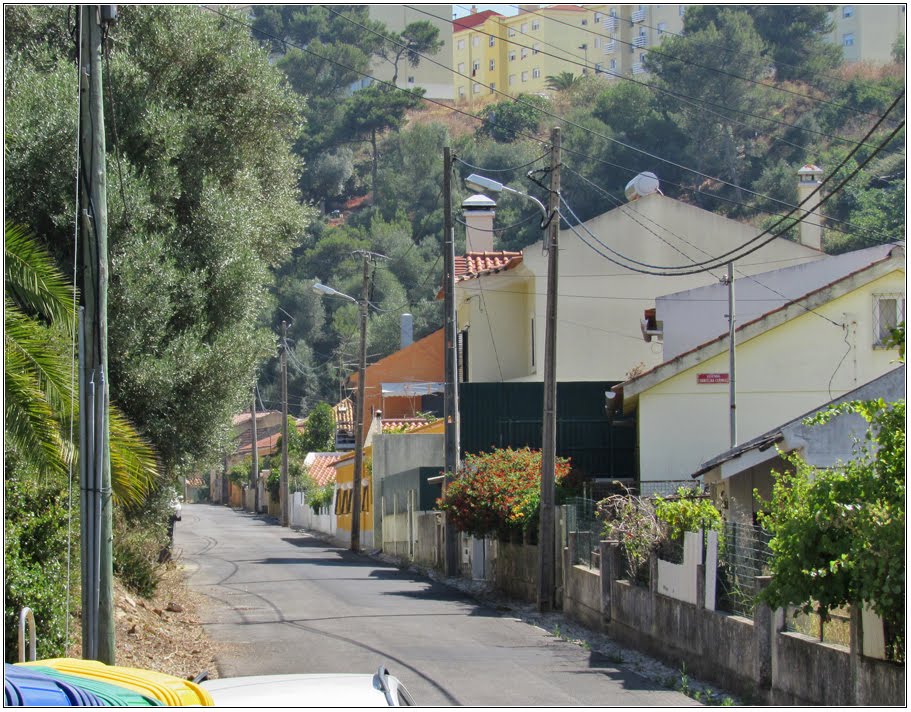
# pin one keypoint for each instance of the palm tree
(38, 371)
(562, 81)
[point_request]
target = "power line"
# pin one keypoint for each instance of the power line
(712, 69)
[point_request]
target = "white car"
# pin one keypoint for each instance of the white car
(310, 690)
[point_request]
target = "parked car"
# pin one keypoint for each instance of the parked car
(311, 690)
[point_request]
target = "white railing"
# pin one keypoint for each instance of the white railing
(610, 23)
(637, 16)
(638, 68)
(639, 41)
(610, 47)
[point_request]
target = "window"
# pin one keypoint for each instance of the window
(681, 10)
(411, 80)
(597, 17)
(524, 76)
(613, 64)
(662, 28)
(461, 67)
(512, 79)
(888, 312)
(475, 41)
(524, 28)
(847, 11)
(584, 22)
(493, 87)
(511, 32)
(524, 53)
(512, 55)
(491, 41)
(535, 25)
(460, 44)
(848, 39)
(598, 67)
(597, 43)
(461, 91)
(492, 65)
(535, 48)
(475, 88)
(536, 73)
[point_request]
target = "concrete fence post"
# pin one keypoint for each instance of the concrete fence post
(700, 587)
(856, 648)
(610, 570)
(766, 632)
(653, 572)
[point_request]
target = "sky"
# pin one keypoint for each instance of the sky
(463, 9)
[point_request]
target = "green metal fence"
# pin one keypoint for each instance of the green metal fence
(744, 555)
(583, 523)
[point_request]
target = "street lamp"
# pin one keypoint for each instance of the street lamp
(546, 543)
(325, 290)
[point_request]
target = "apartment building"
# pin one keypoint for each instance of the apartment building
(433, 75)
(516, 54)
(867, 33)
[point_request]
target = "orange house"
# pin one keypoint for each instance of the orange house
(397, 384)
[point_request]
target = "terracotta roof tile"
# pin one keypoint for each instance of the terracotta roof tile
(469, 21)
(322, 470)
(475, 264)
(409, 424)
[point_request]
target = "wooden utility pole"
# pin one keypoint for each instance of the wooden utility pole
(254, 466)
(359, 414)
(451, 396)
(98, 591)
(283, 484)
(547, 535)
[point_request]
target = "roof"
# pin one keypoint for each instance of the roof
(265, 445)
(476, 264)
(320, 466)
(469, 21)
(771, 319)
(564, 8)
(244, 417)
(406, 425)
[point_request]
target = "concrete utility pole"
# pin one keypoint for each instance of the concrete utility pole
(359, 415)
(547, 535)
(283, 484)
(254, 467)
(98, 587)
(732, 355)
(451, 397)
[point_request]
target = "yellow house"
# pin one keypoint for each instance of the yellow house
(788, 361)
(344, 478)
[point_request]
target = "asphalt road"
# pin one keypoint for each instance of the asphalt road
(287, 602)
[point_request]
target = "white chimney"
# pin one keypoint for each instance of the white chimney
(479, 211)
(407, 330)
(807, 182)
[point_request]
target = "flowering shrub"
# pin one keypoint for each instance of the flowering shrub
(493, 493)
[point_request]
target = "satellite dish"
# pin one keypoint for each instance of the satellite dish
(643, 184)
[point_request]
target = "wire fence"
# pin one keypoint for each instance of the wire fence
(744, 555)
(582, 521)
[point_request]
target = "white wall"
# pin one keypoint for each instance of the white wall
(303, 516)
(600, 304)
(781, 374)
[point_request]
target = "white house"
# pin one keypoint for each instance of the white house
(501, 296)
(788, 361)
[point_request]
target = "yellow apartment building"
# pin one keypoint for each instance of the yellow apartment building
(494, 53)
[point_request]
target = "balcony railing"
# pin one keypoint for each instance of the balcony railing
(610, 47)
(610, 23)
(638, 68)
(639, 41)
(637, 16)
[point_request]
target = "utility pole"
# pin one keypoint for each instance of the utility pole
(547, 535)
(451, 397)
(254, 469)
(283, 484)
(731, 355)
(359, 415)
(95, 461)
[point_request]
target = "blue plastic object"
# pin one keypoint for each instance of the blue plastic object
(110, 695)
(26, 688)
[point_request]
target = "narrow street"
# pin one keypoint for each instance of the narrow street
(283, 601)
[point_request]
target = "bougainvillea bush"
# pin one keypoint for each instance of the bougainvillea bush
(497, 492)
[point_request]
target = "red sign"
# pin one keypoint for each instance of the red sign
(712, 378)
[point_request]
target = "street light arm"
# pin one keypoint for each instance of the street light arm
(326, 290)
(532, 198)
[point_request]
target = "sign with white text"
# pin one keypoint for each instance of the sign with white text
(712, 378)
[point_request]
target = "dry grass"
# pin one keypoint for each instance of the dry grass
(164, 633)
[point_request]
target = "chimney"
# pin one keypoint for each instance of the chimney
(807, 182)
(479, 211)
(407, 330)
(474, 10)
